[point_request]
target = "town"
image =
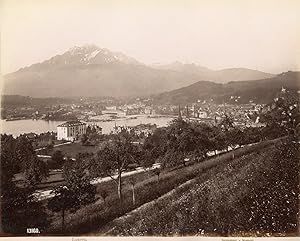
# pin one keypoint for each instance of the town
(106, 110)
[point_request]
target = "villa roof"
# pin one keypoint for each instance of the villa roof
(71, 123)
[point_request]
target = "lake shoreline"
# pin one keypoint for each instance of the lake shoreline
(23, 126)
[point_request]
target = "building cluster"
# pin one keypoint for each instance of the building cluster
(144, 129)
(137, 109)
(243, 115)
(138, 130)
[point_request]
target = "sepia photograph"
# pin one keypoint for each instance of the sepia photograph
(164, 119)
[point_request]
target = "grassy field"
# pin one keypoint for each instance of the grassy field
(55, 179)
(44, 143)
(255, 195)
(97, 215)
(70, 150)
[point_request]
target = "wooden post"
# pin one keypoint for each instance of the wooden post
(133, 195)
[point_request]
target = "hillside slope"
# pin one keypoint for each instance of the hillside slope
(259, 91)
(254, 195)
(113, 79)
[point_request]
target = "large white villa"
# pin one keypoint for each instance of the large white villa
(71, 130)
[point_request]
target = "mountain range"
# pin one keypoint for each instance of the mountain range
(218, 76)
(92, 71)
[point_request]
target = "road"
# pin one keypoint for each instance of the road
(45, 194)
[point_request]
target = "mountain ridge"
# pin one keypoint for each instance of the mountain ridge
(218, 76)
(258, 91)
(93, 71)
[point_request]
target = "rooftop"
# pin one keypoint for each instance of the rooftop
(71, 123)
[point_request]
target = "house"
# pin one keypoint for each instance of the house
(145, 129)
(71, 130)
(30, 136)
(148, 110)
(200, 114)
(132, 111)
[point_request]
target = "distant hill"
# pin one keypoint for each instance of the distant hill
(93, 71)
(259, 91)
(218, 76)
(17, 101)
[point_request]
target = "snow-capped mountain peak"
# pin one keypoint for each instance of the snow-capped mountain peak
(88, 54)
(91, 54)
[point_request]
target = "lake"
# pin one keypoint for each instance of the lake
(18, 127)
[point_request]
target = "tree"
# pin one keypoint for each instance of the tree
(283, 116)
(104, 194)
(146, 159)
(142, 135)
(58, 158)
(217, 139)
(186, 139)
(93, 138)
(78, 180)
(88, 130)
(76, 193)
(84, 139)
(235, 136)
(221, 141)
(34, 169)
(63, 200)
(35, 172)
(253, 134)
(202, 140)
(154, 146)
(9, 160)
(114, 158)
(20, 208)
(177, 140)
(156, 171)
(49, 147)
(227, 123)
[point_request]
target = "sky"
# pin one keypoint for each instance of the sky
(257, 34)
